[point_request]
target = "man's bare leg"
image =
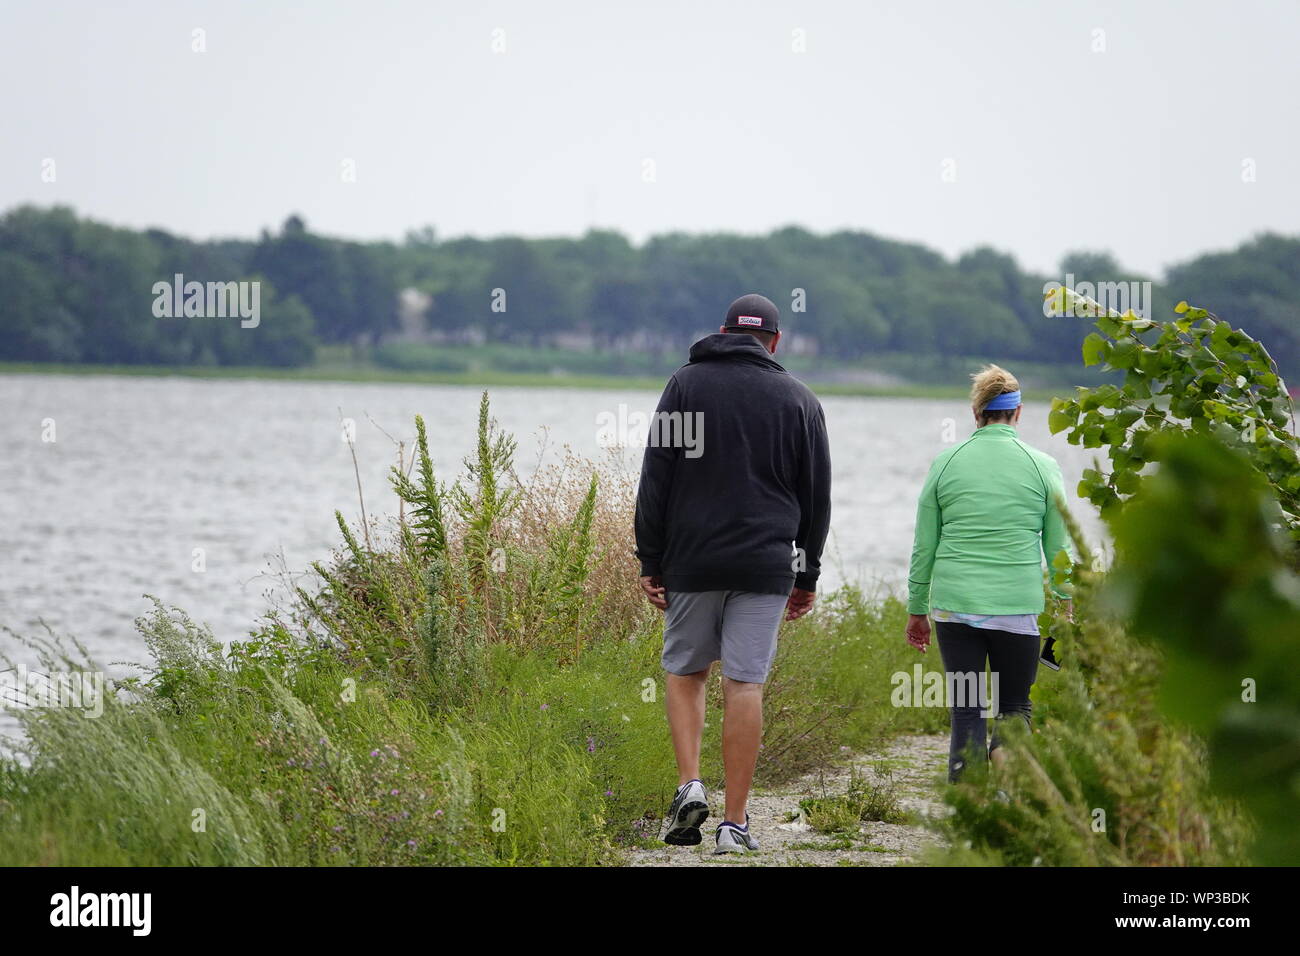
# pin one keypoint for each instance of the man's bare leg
(685, 704)
(742, 731)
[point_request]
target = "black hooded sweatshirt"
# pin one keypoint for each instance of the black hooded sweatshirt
(747, 507)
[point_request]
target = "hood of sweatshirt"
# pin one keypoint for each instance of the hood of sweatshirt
(733, 345)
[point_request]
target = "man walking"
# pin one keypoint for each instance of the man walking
(730, 533)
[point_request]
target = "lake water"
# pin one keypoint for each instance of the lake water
(143, 471)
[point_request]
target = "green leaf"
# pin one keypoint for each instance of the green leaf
(1062, 416)
(1126, 417)
(1127, 481)
(1094, 349)
(1124, 354)
(1112, 327)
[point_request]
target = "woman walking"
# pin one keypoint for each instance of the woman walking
(987, 516)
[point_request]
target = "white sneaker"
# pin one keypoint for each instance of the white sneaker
(689, 809)
(732, 838)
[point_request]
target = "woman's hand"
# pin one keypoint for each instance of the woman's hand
(918, 631)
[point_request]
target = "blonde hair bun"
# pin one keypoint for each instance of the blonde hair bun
(990, 382)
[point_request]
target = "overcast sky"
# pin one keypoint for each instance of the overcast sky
(1053, 144)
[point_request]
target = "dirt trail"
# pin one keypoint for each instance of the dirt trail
(915, 764)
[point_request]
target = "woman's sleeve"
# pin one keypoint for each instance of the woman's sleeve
(925, 542)
(1056, 537)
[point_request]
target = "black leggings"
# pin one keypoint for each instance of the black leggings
(1012, 657)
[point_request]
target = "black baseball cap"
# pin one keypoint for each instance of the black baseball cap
(753, 312)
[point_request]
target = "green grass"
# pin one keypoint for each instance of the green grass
(862, 800)
(339, 372)
(489, 378)
(307, 761)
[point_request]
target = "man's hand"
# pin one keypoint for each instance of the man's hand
(654, 591)
(918, 631)
(800, 603)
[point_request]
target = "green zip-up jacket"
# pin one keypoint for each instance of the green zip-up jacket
(987, 517)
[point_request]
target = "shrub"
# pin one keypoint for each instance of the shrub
(1105, 780)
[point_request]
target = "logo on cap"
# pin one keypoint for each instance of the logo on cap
(749, 320)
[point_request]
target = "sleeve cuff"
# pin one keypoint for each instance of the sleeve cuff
(918, 599)
(651, 568)
(806, 581)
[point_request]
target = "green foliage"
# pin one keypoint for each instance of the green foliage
(81, 291)
(77, 291)
(1203, 572)
(186, 657)
(451, 657)
(1192, 374)
(863, 799)
(1254, 283)
(349, 288)
(425, 498)
(300, 753)
(1206, 545)
(554, 599)
(1105, 780)
(313, 765)
(468, 565)
(418, 358)
(488, 503)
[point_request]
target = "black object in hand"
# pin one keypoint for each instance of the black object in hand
(1048, 656)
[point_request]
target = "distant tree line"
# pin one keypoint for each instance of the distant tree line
(75, 290)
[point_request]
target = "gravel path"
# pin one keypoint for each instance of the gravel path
(914, 764)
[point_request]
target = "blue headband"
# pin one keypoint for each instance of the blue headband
(1005, 400)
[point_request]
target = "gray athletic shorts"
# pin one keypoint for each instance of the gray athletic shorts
(736, 627)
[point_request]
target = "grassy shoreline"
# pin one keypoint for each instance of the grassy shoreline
(488, 378)
(479, 683)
